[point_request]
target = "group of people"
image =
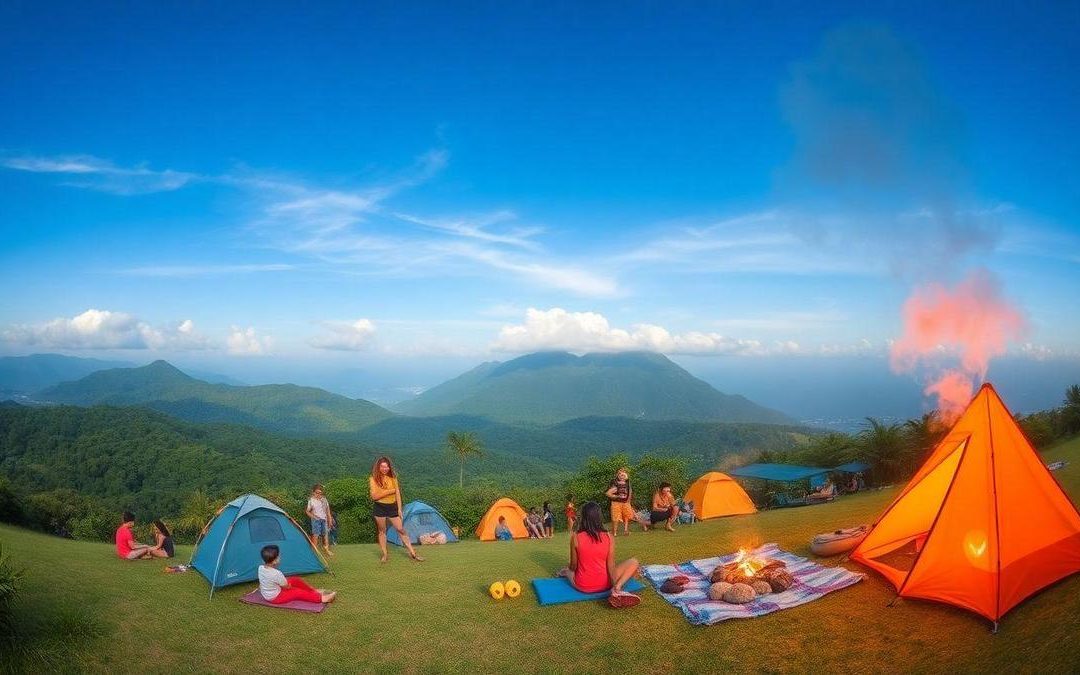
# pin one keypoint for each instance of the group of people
(128, 548)
(591, 567)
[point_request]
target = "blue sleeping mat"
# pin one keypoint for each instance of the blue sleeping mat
(556, 591)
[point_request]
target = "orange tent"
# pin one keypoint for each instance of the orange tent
(715, 494)
(982, 524)
(515, 520)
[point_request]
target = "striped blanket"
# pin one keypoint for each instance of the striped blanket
(811, 582)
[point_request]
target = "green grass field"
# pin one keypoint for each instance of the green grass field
(82, 609)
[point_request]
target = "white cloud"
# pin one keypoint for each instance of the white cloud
(202, 270)
(345, 335)
(558, 329)
(104, 329)
(95, 173)
(246, 342)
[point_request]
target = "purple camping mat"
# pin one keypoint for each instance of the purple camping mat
(256, 598)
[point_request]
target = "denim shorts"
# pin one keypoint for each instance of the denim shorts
(318, 527)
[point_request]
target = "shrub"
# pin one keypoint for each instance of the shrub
(10, 506)
(95, 525)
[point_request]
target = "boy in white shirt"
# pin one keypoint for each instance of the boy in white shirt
(322, 520)
(277, 589)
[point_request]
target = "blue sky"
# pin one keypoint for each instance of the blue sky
(422, 182)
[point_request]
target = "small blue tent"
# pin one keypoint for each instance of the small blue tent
(228, 552)
(418, 518)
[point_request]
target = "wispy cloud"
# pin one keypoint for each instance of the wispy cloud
(202, 270)
(94, 173)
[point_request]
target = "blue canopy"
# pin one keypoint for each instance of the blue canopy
(853, 467)
(418, 518)
(778, 472)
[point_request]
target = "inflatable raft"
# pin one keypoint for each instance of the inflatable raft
(839, 541)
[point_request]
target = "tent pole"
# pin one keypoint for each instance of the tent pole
(993, 631)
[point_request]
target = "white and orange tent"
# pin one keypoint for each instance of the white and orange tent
(716, 494)
(982, 524)
(515, 520)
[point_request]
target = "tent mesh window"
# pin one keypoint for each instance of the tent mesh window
(265, 528)
(423, 519)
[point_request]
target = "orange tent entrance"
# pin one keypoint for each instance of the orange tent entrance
(715, 494)
(515, 520)
(982, 524)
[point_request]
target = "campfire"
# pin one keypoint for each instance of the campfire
(746, 577)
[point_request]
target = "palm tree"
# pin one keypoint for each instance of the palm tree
(461, 444)
(882, 445)
(1071, 409)
(922, 435)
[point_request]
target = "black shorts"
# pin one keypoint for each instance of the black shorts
(659, 516)
(380, 510)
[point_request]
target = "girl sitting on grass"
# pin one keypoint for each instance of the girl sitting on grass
(278, 590)
(163, 541)
(592, 567)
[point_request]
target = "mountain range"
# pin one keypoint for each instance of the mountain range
(285, 408)
(552, 387)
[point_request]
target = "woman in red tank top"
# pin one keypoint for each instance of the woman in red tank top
(592, 566)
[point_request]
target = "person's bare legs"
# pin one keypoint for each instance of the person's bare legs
(671, 520)
(326, 541)
(623, 573)
(158, 553)
(396, 522)
(380, 524)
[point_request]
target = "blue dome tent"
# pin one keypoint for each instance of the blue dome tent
(419, 518)
(228, 550)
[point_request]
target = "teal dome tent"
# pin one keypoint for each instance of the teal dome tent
(228, 550)
(418, 518)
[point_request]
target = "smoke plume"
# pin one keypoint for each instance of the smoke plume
(967, 326)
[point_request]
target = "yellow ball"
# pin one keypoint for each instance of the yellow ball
(513, 589)
(497, 590)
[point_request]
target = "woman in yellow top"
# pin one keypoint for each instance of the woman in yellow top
(386, 495)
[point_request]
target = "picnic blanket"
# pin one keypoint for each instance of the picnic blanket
(557, 590)
(812, 581)
(256, 598)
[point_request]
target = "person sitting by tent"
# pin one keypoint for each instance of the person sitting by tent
(385, 492)
(126, 546)
(502, 530)
(163, 541)
(549, 521)
(278, 590)
(664, 507)
(534, 524)
(592, 567)
(826, 492)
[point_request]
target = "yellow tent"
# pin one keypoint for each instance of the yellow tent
(982, 524)
(515, 520)
(715, 494)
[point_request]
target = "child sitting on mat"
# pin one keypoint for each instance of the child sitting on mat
(277, 590)
(592, 567)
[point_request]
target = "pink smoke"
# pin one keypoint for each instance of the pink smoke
(971, 321)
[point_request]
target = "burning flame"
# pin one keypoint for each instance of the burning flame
(971, 320)
(746, 564)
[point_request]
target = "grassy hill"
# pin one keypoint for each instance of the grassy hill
(551, 387)
(284, 408)
(82, 609)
